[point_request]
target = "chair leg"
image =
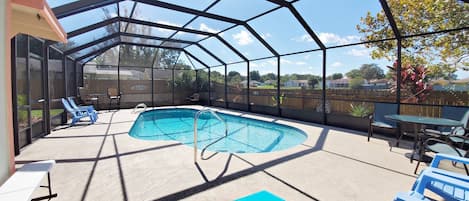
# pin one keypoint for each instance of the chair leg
(370, 132)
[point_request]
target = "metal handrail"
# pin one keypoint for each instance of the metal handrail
(195, 127)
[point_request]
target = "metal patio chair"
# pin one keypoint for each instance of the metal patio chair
(377, 119)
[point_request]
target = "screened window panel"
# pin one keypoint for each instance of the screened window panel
(22, 83)
(348, 15)
(447, 75)
(202, 55)
(35, 47)
(195, 63)
(241, 9)
(222, 51)
(109, 57)
(97, 79)
(416, 17)
(241, 39)
(125, 8)
(131, 55)
(199, 5)
(98, 46)
(281, 40)
(354, 80)
(140, 40)
(203, 85)
(135, 85)
(71, 78)
(217, 85)
(149, 30)
(209, 25)
(263, 82)
(237, 83)
(183, 62)
(79, 74)
(88, 37)
(56, 81)
(166, 58)
(181, 35)
(184, 85)
(300, 81)
(160, 15)
(93, 16)
(162, 87)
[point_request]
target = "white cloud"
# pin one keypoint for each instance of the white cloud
(243, 38)
(337, 64)
(265, 35)
(334, 39)
(167, 23)
(285, 61)
(359, 52)
(304, 38)
(204, 27)
(300, 63)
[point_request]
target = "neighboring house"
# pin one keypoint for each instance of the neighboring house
(296, 83)
(252, 83)
(453, 85)
(270, 82)
(376, 84)
(339, 83)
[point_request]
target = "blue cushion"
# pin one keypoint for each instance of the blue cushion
(261, 196)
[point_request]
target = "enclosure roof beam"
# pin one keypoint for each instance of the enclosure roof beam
(194, 57)
(148, 45)
(93, 27)
(190, 11)
(210, 53)
(260, 39)
(98, 51)
(301, 20)
(80, 6)
(165, 26)
(231, 48)
(87, 45)
(157, 38)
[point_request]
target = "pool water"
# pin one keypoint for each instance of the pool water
(245, 135)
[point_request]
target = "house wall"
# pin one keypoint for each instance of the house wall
(6, 125)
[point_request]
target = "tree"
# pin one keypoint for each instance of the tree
(254, 75)
(335, 76)
(371, 71)
(355, 73)
(233, 73)
(415, 17)
(268, 76)
(314, 80)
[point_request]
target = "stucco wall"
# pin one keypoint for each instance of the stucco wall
(5, 132)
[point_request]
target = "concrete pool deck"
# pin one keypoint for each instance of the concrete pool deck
(102, 162)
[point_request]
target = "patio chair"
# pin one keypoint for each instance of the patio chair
(88, 108)
(455, 113)
(448, 185)
(443, 147)
(77, 114)
(377, 118)
(194, 98)
(113, 94)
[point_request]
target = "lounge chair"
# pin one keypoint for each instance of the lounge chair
(448, 185)
(77, 114)
(443, 147)
(88, 108)
(377, 119)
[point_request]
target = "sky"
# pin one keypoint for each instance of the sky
(334, 22)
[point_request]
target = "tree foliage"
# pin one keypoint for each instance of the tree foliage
(416, 17)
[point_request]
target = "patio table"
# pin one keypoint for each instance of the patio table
(421, 120)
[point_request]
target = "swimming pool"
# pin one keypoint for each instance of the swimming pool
(245, 135)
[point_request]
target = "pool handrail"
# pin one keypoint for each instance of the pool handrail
(196, 117)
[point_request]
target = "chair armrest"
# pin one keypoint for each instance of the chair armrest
(438, 157)
(428, 176)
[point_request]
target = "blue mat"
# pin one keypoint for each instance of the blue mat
(261, 196)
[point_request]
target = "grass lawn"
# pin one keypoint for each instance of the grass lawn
(37, 114)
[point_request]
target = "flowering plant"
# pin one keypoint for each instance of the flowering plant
(413, 81)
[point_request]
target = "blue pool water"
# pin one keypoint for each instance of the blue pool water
(245, 135)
